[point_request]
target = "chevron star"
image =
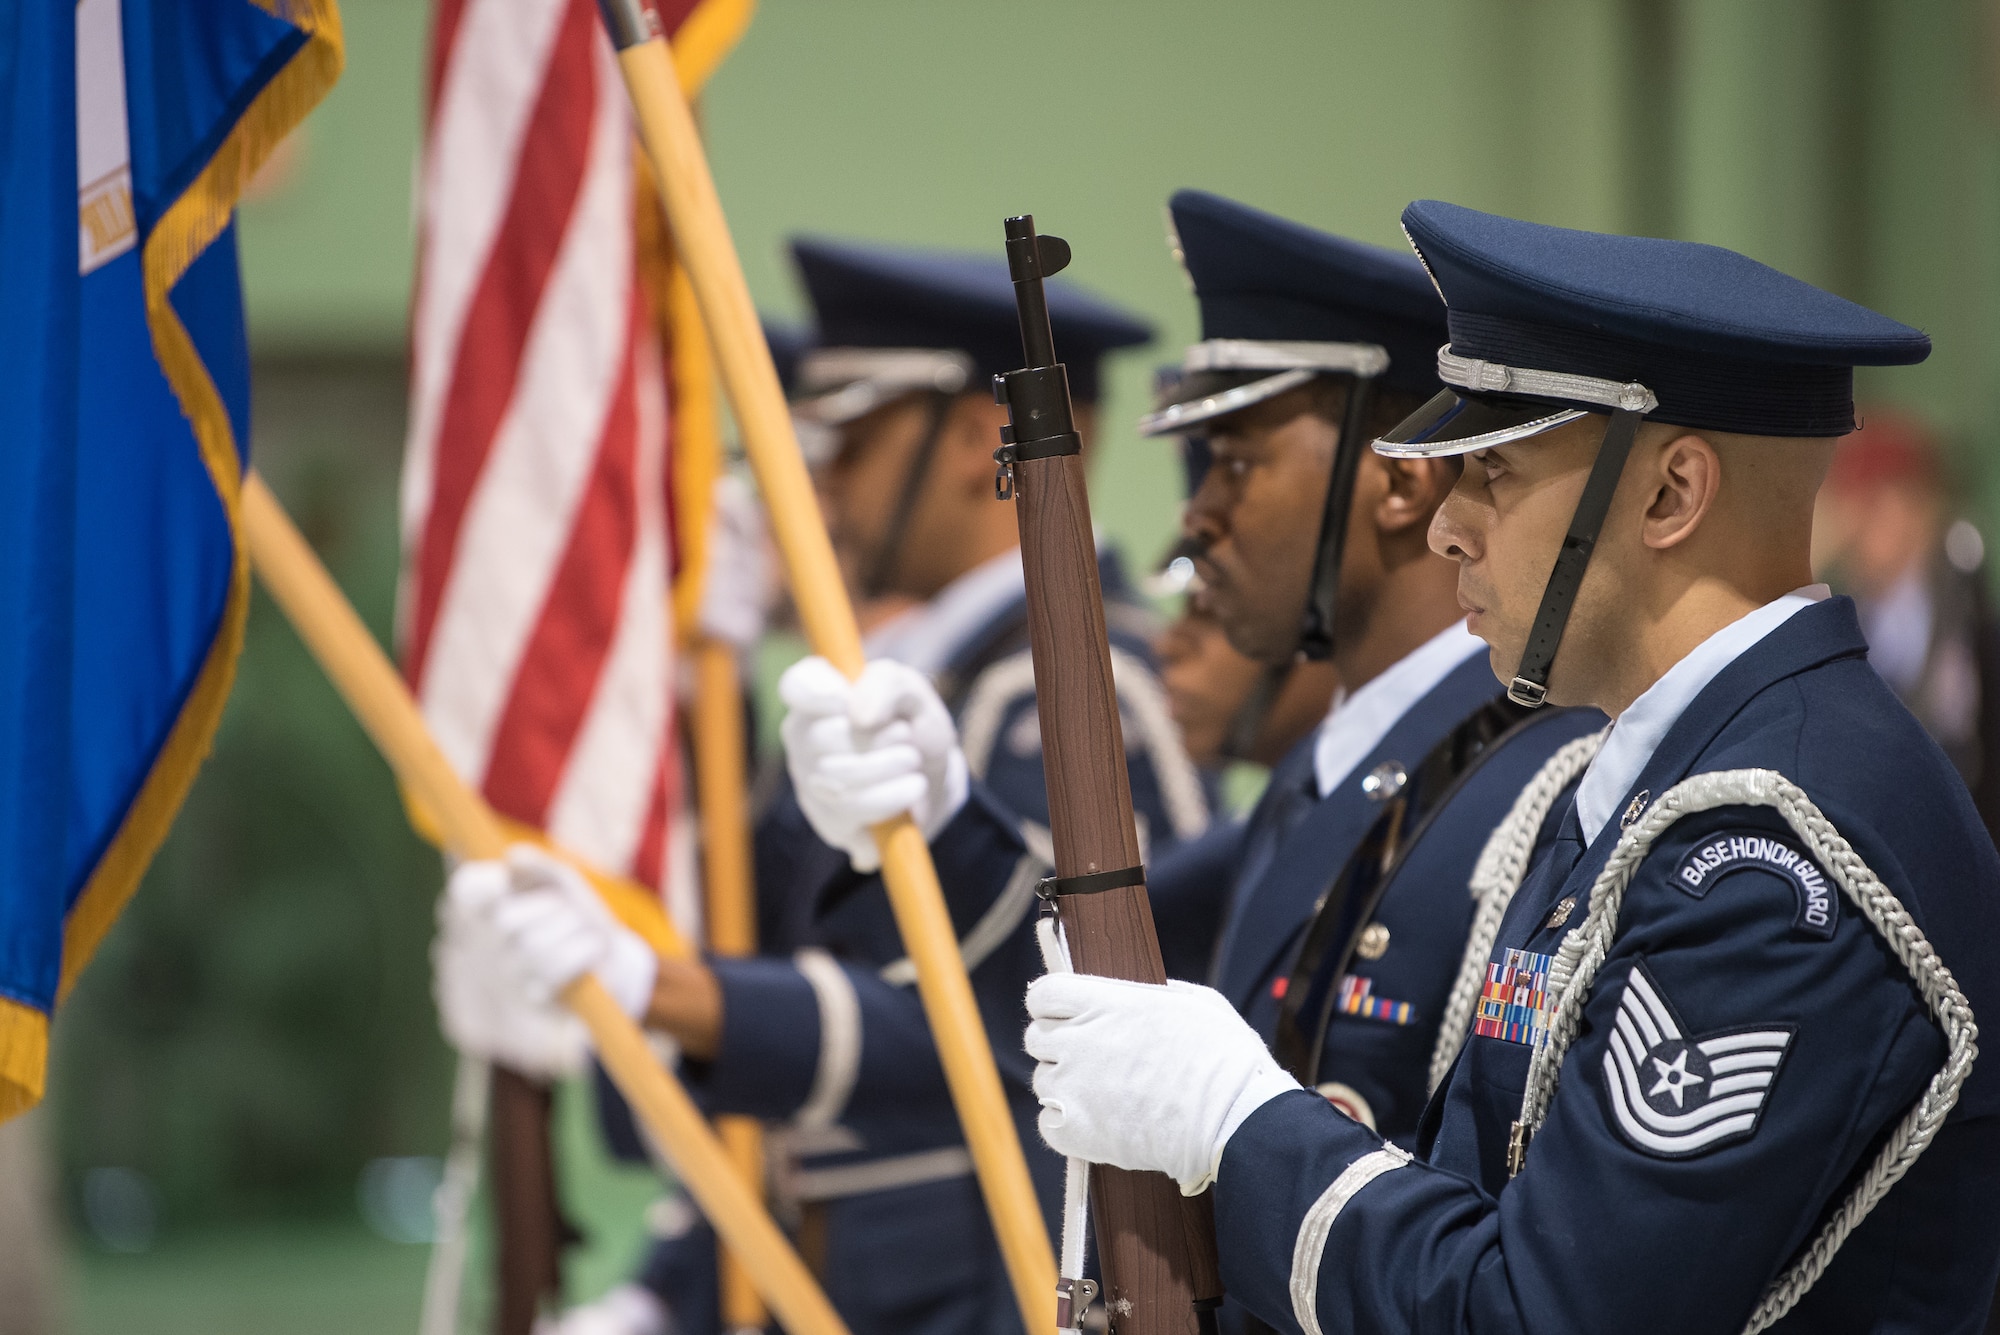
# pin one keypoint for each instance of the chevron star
(1675, 1078)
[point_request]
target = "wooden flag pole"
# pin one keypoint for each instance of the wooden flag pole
(722, 789)
(369, 683)
(701, 236)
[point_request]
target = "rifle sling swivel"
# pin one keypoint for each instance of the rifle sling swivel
(1010, 453)
(1053, 887)
(1037, 403)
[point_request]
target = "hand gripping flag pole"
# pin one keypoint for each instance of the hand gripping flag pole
(363, 675)
(702, 236)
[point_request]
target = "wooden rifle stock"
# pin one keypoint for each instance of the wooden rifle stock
(527, 1213)
(1156, 1248)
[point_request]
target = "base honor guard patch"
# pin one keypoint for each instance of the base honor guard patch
(1514, 1006)
(1357, 997)
(1674, 1096)
(1715, 858)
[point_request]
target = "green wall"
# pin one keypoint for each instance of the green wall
(326, 243)
(258, 1027)
(1851, 141)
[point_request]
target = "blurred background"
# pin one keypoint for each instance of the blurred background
(250, 1095)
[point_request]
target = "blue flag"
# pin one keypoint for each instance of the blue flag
(127, 130)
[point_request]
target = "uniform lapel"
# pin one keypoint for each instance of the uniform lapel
(1267, 914)
(1289, 799)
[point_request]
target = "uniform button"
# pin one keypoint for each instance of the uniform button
(1384, 781)
(1373, 942)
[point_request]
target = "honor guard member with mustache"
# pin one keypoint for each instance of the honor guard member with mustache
(824, 1033)
(1343, 899)
(1720, 1070)
(1229, 709)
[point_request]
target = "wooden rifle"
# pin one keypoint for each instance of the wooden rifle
(1156, 1248)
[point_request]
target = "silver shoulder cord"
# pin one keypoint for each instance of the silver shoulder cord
(1584, 950)
(1073, 1291)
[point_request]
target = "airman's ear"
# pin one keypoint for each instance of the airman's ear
(1684, 479)
(1416, 488)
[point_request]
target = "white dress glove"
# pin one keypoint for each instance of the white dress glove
(626, 1310)
(484, 1005)
(550, 928)
(1143, 1076)
(864, 751)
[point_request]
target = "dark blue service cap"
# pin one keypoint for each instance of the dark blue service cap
(935, 320)
(1549, 323)
(1282, 302)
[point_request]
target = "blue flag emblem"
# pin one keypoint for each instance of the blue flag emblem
(127, 129)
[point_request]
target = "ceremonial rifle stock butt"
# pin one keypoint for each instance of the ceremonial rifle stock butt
(1157, 1248)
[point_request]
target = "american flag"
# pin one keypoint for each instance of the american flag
(533, 613)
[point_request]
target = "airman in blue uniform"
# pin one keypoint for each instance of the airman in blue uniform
(823, 1034)
(1230, 708)
(1711, 1063)
(1303, 544)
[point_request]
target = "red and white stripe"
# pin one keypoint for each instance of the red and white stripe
(533, 609)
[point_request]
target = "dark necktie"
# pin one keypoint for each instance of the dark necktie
(1293, 791)
(1544, 881)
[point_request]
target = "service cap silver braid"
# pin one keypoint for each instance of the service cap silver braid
(1287, 363)
(840, 384)
(1531, 401)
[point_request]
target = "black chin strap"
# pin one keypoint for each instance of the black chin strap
(1531, 680)
(876, 579)
(1316, 623)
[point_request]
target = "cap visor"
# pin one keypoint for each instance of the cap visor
(1199, 400)
(837, 407)
(1454, 423)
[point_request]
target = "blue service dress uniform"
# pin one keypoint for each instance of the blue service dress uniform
(831, 1042)
(1374, 1054)
(1295, 843)
(1645, 1202)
